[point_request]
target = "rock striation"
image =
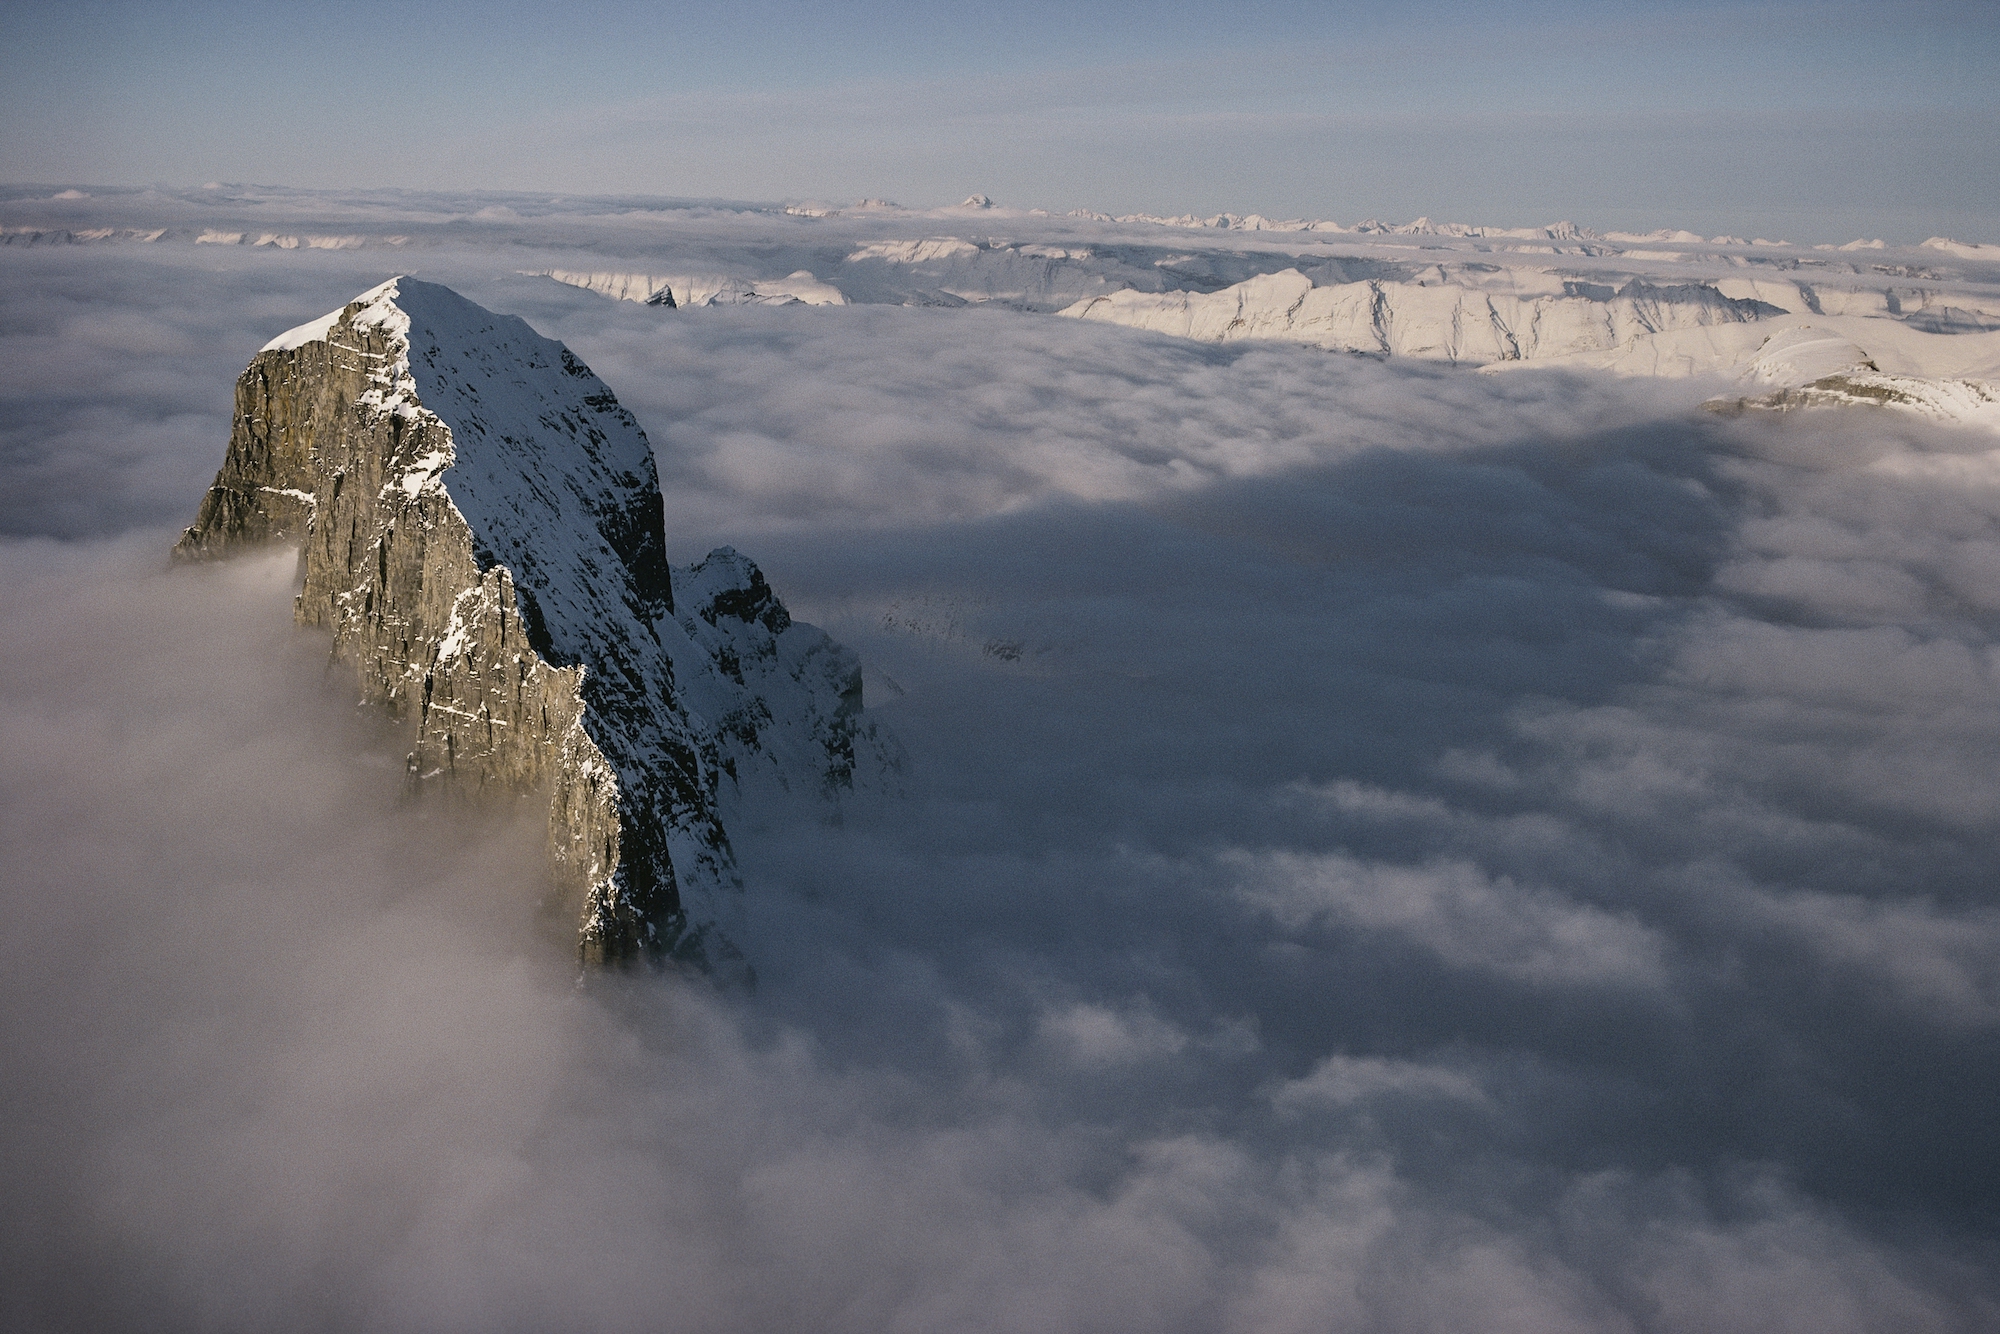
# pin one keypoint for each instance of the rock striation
(481, 529)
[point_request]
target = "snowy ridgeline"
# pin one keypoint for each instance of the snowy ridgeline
(1923, 320)
(1665, 303)
(1936, 338)
(1219, 291)
(713, 289)
(1931, 329)
(483, 533)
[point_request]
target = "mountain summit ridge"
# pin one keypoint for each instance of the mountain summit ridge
(482, 531)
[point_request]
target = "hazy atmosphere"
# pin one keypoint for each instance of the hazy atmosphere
(1821, 121)
(1385, 839)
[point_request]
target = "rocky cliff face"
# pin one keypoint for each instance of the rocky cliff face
(481, 530)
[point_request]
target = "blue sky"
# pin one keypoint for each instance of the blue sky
(1818, 122)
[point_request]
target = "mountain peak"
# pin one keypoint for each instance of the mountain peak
(483, 534)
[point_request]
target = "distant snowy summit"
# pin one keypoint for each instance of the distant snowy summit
(482, 532)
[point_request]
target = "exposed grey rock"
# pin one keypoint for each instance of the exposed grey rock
(481, 530)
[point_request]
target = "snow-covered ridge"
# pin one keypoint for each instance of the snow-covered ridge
(78, 236)
(312, 331)
(922, 251)
(1945, 345)
(1659, 302)
(1473, 318)
(195, 236)
(1807, 366)
(445, 221)
(286, 241)
(1964, 249)
(799, 288)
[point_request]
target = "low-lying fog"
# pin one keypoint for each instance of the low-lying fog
(1382, 848)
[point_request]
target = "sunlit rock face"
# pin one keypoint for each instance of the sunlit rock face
(481, 530)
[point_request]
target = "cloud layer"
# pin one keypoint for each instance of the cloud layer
(1383, 849)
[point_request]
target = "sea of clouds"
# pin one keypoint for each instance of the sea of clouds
(1382, 848)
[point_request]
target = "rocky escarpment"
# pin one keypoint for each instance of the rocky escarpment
(481, 530)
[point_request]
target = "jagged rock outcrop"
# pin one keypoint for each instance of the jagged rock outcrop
(481, 530)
